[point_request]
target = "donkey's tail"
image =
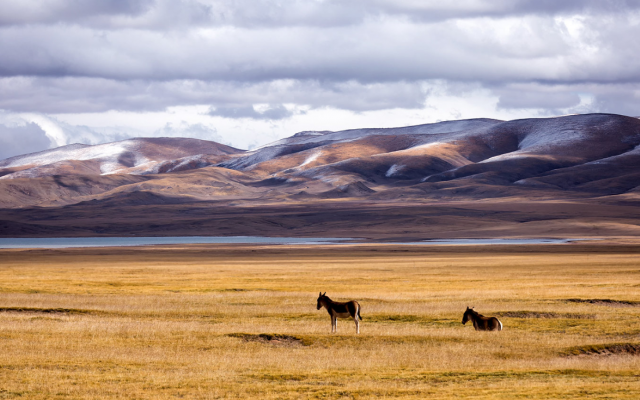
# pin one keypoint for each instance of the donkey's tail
(359, 312)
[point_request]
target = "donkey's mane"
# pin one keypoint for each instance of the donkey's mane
(474, 312)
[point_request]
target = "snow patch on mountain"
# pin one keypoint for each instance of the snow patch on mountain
(508, 156)
(108, 154)
(311, 133)
(395, 168)
(311, 158)
(43, 157)
(307, 137)
(132, 156)
(430, 129)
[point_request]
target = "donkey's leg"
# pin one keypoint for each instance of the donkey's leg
(357, 324)
(496, 325)
(334, 324)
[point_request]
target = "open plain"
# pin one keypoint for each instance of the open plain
(238, 321)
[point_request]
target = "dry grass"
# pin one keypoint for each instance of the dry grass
(240, 322)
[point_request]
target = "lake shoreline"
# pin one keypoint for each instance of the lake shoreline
(100, 242)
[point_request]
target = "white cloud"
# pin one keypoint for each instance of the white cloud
(50, 128)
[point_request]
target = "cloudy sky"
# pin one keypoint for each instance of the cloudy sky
(248, 72)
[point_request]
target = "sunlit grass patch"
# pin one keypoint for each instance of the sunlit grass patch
(159, 325)
(557, 325)
(416, 320)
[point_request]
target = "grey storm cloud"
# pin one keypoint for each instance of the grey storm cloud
(28, 138)
(541, 97)
(230, 98)
(184, 129)
(374, 51)
(620, 100)
(66, 56)
(168, 14)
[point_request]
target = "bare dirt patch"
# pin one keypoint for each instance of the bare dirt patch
(605, 350)
(544, 314)
(272, 339)
(44, 310)
(606, 302)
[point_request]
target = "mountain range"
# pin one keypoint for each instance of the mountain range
(576, 175)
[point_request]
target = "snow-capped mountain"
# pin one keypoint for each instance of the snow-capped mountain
(494, 151)
(132, 156)
(591, 154)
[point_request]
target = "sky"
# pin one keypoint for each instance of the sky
(249, 72)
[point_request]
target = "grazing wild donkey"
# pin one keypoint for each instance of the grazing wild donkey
(480, 322)
(350, 309)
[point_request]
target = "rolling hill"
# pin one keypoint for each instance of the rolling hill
(542, 176)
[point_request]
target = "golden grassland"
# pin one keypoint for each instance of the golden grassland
(210, 322)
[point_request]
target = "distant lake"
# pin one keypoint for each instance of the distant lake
(495, 241)
(492, 241)
(56, 243)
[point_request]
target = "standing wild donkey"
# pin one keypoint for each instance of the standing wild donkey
(480, 322)
(350, 309)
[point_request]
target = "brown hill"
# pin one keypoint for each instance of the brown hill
(132, 156)
(567, 174)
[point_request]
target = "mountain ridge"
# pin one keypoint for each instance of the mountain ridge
(115, 157)
(591, 160)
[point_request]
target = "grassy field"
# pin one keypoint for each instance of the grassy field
(240, 322)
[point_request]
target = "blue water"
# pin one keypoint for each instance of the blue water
(57, 243)
(53, 243)
(493, 241)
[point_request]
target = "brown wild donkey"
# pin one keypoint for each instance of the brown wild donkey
(350, 309)
(480, 322)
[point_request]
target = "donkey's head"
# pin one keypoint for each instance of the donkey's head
(320, 298)
(467, 315)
